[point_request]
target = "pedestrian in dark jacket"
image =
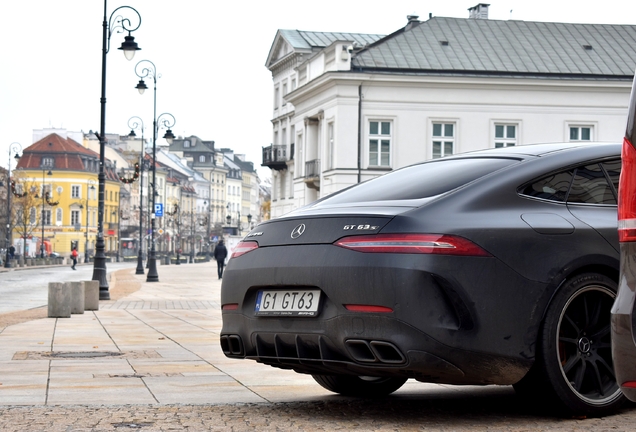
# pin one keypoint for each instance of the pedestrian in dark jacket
(220, 253)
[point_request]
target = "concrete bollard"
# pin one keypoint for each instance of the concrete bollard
(77, 297)
(59, 305)
(91, 295)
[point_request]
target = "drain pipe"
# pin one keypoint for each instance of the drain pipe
(359, 133)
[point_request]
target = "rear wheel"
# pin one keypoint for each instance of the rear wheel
(574, 359)
(351, 385)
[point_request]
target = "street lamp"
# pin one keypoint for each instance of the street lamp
(13, 148)
(90, 182)
(148, 69)
(45, 198)
(133, 123)
(129, 46)
(191, 229)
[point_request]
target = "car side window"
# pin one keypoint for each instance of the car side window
(554, 187)
(590, 186)
(613, 170)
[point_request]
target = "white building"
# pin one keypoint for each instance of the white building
(351, 107)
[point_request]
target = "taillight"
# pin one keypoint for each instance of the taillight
(412, 244)
(627, 194)
(244, 247)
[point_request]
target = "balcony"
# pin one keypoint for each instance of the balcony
(312, 174)
(275, 156)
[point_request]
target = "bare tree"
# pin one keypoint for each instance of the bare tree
(25, 211)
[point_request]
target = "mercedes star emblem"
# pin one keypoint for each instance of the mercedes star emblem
(298, 231)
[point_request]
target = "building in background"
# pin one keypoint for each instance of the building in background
(58, 177)
(350, 107)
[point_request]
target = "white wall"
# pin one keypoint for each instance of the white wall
(543, 109)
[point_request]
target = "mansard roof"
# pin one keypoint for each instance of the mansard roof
(512, 48)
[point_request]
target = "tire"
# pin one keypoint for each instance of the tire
(359, 386)
(573, 365)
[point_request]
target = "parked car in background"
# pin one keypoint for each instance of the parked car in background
(493, 267)
(623, 315)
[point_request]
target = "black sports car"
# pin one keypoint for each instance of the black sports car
(493, 267)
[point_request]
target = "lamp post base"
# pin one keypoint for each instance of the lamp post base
(140, 264)
(152, 276)
(99, 274)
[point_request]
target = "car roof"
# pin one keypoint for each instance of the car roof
(537, 149)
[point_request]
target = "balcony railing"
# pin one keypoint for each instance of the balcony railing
(312, 174)
(312, 168)
(276, 157)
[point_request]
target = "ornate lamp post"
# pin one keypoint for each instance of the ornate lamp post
(90, 186)
(129, 46)
(45, 199)
(145, 69)
(16, 148)
(133, 123)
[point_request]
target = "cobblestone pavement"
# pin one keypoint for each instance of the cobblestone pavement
(495, 412)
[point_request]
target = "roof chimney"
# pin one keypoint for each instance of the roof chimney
(413, 20)
(478, 12)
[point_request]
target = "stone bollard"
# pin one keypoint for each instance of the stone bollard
(59, 305)
(91, 295)
(77, 297)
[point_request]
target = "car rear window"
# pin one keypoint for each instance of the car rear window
(420, 181)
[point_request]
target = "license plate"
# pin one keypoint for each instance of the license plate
(301, 302)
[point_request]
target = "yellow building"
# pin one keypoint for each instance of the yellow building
(59, 178)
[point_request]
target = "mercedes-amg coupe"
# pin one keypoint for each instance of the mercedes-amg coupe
(492, 267)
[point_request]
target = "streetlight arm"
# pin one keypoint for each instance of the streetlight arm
(116, 22)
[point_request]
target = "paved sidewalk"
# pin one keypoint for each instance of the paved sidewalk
(159, 345)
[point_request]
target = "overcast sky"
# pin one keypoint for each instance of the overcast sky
(210, 54)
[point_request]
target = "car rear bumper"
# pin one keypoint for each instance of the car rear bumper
(393, 348)
(450, 318)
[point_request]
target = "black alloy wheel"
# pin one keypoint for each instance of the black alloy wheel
(574, 356)
(359, 386)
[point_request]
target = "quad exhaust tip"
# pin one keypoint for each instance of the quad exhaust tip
(232, 345)
(364, 351)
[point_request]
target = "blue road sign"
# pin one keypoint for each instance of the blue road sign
(159, 210)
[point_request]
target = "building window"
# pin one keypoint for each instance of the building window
(75, 191)
(46, 217)
(581, 133)
(58, 216)
(75, 217)
(330, 147)
(276, 97)
(505, 135)
(32, 216)
(48, 162)
(293, 84)
(284, 93)
(186, 144)
(202, 158)
(379, 143)
(443, 139)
